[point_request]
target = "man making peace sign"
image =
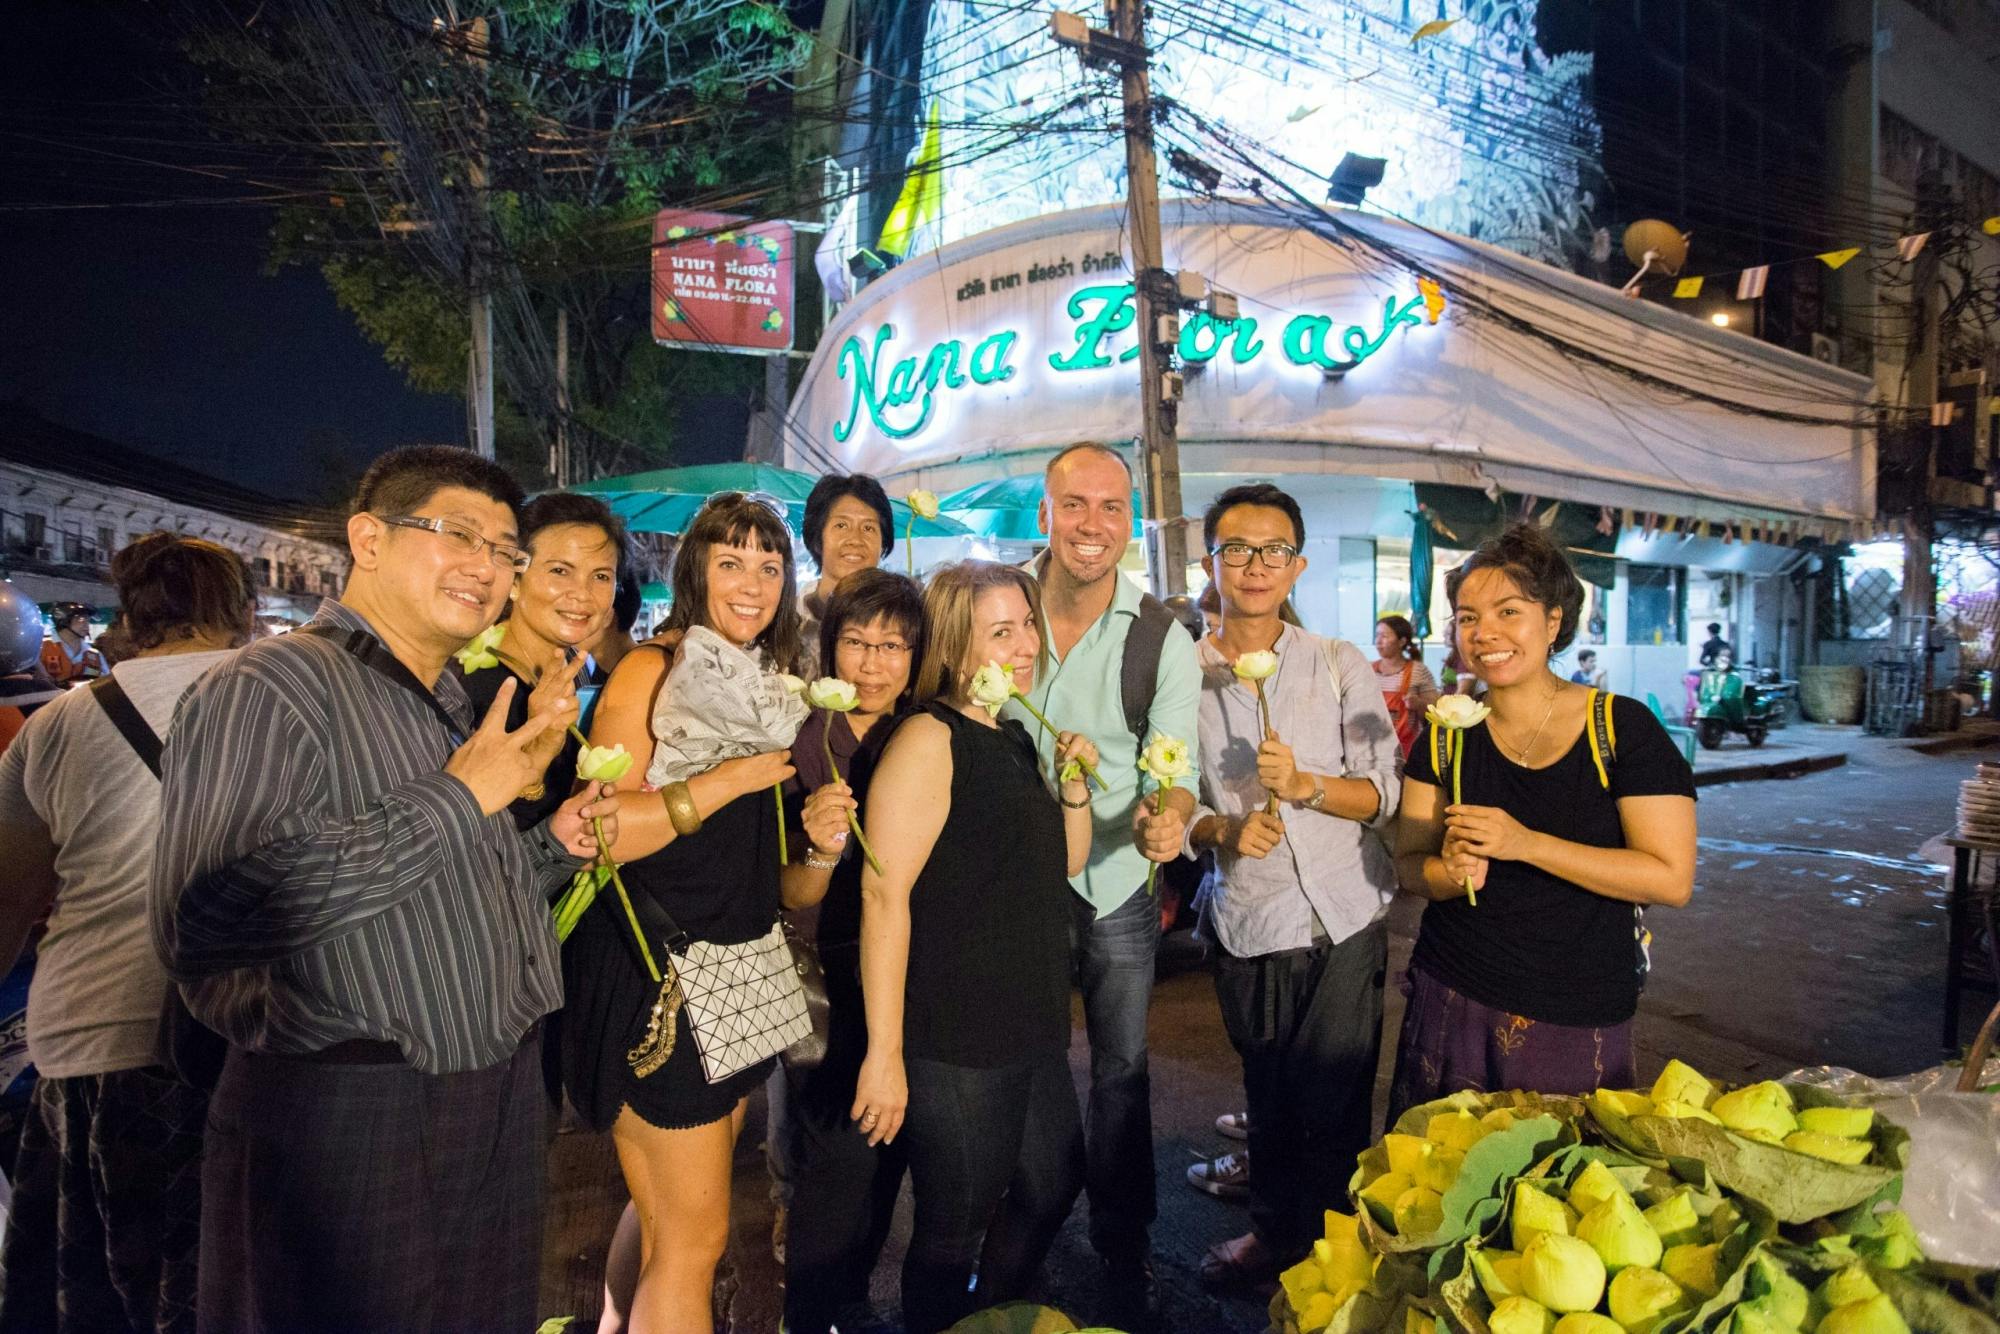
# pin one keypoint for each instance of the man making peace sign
(342, 895)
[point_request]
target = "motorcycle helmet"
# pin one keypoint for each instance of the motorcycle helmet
(20, 630)
(62, 613)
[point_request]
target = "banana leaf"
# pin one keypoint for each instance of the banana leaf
(1474, 1200)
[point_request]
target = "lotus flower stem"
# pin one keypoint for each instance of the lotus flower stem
(625, 900)
(1457, 774)
(1159, 804)
(1052, 730)
(853, 825)
(1264, 712)
(778, 795)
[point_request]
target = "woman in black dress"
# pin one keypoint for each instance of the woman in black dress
(965, 958)
(1565, 839)
(843, 1188)
(561, 602)
(718, 877)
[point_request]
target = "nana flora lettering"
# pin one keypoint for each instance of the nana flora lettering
(899, 394)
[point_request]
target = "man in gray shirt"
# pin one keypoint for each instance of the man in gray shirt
(342, 895)
(1295, 907)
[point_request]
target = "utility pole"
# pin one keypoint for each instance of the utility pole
(479, 366)
(1924, 375)
(1156, 292)
(559, 466)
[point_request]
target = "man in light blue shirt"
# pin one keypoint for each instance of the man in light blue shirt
(1295, 906)
(1092, 612)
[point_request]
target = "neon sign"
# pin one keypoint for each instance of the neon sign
(900, 396)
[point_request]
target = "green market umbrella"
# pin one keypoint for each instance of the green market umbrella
(1007, 508)
(665, 500)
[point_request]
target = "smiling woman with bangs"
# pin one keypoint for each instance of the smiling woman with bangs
(706, 853)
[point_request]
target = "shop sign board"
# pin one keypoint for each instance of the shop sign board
(722, 283)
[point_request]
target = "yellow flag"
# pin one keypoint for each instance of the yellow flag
(1833, 259)
(1687, 287)
(1431, 29)
(1991, 226)
(923, 191)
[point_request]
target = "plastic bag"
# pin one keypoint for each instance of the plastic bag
(1951, 1187)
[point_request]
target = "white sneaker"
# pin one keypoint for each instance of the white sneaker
(1233, 1125)
(1226, 1178)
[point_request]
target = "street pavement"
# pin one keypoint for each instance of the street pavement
(1816, 936)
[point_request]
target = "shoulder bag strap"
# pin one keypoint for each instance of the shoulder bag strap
(1139, 666)
(125, 716)
(1603, 740)
(372, 655)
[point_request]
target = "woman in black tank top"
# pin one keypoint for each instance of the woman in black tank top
(965, 959)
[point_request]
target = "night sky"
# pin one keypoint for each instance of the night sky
(157, 327)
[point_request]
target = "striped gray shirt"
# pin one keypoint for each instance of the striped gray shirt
(319, 877)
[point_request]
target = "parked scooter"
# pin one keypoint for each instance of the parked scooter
(1725, 703)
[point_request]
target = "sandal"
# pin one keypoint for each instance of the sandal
(1241, 1262)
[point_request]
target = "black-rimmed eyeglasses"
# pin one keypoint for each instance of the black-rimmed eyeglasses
(1236, 555)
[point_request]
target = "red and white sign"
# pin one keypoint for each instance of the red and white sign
(722, 283)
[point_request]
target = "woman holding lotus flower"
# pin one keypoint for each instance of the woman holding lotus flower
(965, 956)
(704, 852)
(1537, 850)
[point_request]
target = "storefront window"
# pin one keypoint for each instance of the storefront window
(1871, 591)
(1655, 605)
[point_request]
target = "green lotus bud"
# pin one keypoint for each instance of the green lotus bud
(1620, 1234)
(1770, 1283)
(1679, 1110)
(1518, 1315)
(1696, 1268)
(1386, 1189)
(1498, 1272)
(1622, 1103)
(1896, 1246)
(1317, 1313)
(1846, 1287)
(1535, 1212)
(1762, 1107)
(1441, 1168)
(1847, 1122)
(1675, 1220)
(1830, 1147)
(1301, 1281)
(1455, 1130)
(1639, 1297)
(1562, 1273)
(1722, 1220)
(1875, 1315)
(1682, 1083)
(1500, 1118)
(1419, 1212)
(1587, 1322)
(1757, 1318)
(1593, 1186)
(1407, 1153)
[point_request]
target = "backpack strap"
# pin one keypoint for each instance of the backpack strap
(1603, 736)
(125, 716)
(1139, 667)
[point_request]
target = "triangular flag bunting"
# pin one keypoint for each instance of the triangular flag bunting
(1605, 523)
(1991, 226)
(1702, 530)
(1751, 285)
(1908, 246)
(1548, 518)
(1431, 29)
(1833, 259)
(1625, 517)
(1687, 288)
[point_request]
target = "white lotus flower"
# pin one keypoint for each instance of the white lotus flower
(830, 692)
(1259, 666)
(1457, 712)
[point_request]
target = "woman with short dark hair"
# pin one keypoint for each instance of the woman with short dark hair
(1408, 687)
(103, 1228)
(1565, 836)
(848, 526)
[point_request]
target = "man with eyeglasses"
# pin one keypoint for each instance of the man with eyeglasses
(1120, 671)
(1302, 881)
(342, 896)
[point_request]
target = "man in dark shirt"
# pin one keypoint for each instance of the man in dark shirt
(341, 894)
(1714, 644)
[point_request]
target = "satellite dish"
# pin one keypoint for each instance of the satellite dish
(1669, 248)
(1652, 244)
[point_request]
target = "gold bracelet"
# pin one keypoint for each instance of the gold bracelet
(681, 809)
(535, 791)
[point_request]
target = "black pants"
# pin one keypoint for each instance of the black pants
(372, 1197)
(996, 1161)
(1308, 1025)
(104, 1225)
(843, 1191)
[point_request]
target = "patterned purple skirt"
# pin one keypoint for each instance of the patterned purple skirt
(1451, 1042)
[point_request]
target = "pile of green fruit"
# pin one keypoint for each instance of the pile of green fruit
(1690, 1208)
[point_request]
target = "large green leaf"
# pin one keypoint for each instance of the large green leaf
(1473, 1203)
(1795, 1187)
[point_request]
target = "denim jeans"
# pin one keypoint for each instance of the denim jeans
(1115, 953)
(996, 1159)
(1308, 1025)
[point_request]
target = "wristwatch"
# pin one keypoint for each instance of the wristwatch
(1317, 801)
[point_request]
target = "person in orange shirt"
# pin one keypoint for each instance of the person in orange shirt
(69, 658)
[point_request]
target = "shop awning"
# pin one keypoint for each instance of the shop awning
(979, 359)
